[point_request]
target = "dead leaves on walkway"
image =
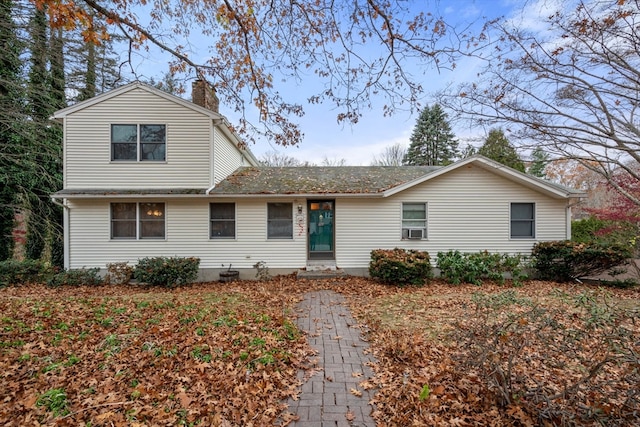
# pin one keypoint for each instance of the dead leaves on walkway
(228, 354)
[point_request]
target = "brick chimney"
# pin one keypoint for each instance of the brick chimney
(204, 95)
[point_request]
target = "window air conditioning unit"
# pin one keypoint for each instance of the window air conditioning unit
(416, 233)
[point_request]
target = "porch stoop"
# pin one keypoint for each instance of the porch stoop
(321, 270)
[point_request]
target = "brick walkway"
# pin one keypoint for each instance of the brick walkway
(332, 396)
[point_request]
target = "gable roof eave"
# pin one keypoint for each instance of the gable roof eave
(61, 114)
(545, 187)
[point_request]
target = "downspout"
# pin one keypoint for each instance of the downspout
(65, 228)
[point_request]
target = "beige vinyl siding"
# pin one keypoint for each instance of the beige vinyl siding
(226, 156)
(88, 146)
(467, 210)
(187, 234)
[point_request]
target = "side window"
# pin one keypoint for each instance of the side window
(124, 142)
(137, 221)
(414, 220)
(152, 221)
(123, 220)
(523, 220)
(133, 142)
(152, 142)
(223, 220)
(280, 220)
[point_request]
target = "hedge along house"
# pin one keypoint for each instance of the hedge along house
(147, 173)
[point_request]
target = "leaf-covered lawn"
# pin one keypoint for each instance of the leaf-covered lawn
(228, 354)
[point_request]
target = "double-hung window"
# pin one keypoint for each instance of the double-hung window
(414, 220)
(223, 220)
(137, 221)
(280, 220)
(138, 142)
(523, 220)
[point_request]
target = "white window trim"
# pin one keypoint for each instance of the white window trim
(535, 221)
(138, 143)
(235, 223)
(425, 235)
(138, 223)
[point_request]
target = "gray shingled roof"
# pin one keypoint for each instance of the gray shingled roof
(319, 180)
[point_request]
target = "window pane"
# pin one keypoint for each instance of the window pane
(153, 151)
(523, 220)
(280, 210)
(152, 229)
(414, 211)
(123, 210)
(124, 133)
(151, 210)
(123, 229)
(223, 224)
(122, 151)
(522, 211)
(522, 229)
(152, 220)
(280, 229)
(152, 133)
(123, 220)
(223, 229)
(280, 220)
(223, 210)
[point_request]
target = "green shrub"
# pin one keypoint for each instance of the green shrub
(567, 260)
(24, 272)
(400, 266)
(456, 267)
(165, 271)
(118, 273)
(584, 230)
(77, 277)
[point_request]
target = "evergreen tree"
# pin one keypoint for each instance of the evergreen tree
(11, 117)
(42, 150)
(92, 68)
(539, 160)
(432, 141)
(498, 148)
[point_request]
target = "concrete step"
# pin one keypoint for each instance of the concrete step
(321, 274)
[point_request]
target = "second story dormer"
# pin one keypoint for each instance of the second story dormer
(138, 137)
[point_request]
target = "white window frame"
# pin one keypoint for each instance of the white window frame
(407, 230)
(532, 221)
(269, 236)
(235, 221)
(138, 143)
(138, 222)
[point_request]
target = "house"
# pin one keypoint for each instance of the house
(147, 173)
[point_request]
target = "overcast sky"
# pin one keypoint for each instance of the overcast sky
(358, 144)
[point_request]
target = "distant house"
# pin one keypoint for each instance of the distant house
(147, 173)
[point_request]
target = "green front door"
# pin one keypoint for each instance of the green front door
(321, 225)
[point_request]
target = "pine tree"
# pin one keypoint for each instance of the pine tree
(498, 148)
(42, 148)
(11, 118)
(432, 141)
(539, 160)
(92, 68)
